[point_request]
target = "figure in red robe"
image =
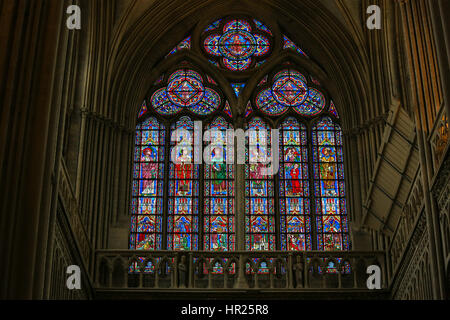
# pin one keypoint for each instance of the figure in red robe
(183, 172)
(296, 187)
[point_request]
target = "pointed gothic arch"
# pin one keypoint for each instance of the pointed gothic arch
(205, 77)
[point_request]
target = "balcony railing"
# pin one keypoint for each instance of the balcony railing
(201, 270)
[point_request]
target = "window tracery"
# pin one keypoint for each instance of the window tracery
(187, 206)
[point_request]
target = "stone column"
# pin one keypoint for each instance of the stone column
(30, 124)
(239, 195)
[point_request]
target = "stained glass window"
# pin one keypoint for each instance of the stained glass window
(185, 44)
(219, 218)
(181, 205)
(238, 87)
(183, 223)
(263, 81)
(261, 26)
(289, 44)
(333, 110)
(211, 80)
(259, 188)
(238, 43)
(289, 89)
(212, 26)
(295, 223)
(227, 109)
(185, 90)
(248, 110)
(331, 214)
(314, 103)
(143, 110)
(147, 201)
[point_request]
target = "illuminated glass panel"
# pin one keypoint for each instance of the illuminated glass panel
(213, 26)
(227, 109)
(185, 44)
(333, 110)
(238, 87)
(263, 81)
(295, 223)
(185, 90)
(248, 110)
(182, 221)
(261, 26)
(259, 190)
(289, 89)
(219, 218)
(267, 104)
(288, 44)
(314, 103)
(211, 80)
(147, 200)
(143, 110)
(238, 43)
(329, 186)
(260, 63)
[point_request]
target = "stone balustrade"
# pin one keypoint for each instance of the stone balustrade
(205, 270)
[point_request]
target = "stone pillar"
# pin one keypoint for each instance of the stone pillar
(30, 124)
(239, 196)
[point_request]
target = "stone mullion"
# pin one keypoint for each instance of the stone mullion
(201, 196)
(312, 196)
(166, 186)
(240, 194)
(277, 215)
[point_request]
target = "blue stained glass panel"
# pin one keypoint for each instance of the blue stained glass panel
(331, 217)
